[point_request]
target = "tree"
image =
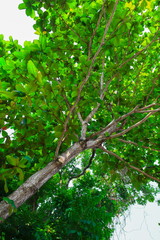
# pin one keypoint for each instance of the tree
(89, 85)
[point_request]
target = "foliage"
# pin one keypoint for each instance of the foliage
(85, 210)
(92, 74)
(75, 213)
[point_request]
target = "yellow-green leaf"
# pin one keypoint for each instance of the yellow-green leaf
(130, 5)
(39, 77)
(13, 161)
(21, 174)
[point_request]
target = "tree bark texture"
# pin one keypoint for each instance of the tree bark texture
(33, 184)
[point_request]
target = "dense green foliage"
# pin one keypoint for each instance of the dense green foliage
(93, 61)
(83, 211)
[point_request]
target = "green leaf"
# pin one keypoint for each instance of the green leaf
(31, 88)
(22, 6)
(2, 61)
(32, 68)
(21, 174)
(19, 93)
(5, 186)
(2, 219)
(9, 201)
(11, 160)
(43, 41)
(22, 163)
(74, 94)
(39, 77)
(4, 133)
(6, 94)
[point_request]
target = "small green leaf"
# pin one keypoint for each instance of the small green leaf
(5, 186)
(31, 89)
(43, 41)
(22, 163)
(74, 94)
(4, 133)
(21, 6)
(39, 77)
(1, 219)
(7, 94)
(9, 201)
(29, 159)
(2, 61)
(21, 174)
(20, 88)
(19, 93)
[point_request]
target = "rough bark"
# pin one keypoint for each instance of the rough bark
(33, 184)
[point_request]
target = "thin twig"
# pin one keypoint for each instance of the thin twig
(153, 87)
(80, 117)
(102, 79)
(94, 32)
(66, 100)
(88, 118)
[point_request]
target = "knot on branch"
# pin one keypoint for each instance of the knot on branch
(83, 143)
(61, 159)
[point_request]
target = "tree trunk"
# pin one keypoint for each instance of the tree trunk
(33, 184)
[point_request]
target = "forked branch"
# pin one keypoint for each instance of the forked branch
(135, 110)
(131, 127)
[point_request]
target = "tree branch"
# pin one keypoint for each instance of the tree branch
(102, 80)
(149, 106)
(139, 52)
(95, 30)
(104, 130)
(85, 79)
(131, 127)
(84, 170)
(84, 127)
(34, 183)
(135, 144)
(151, 111)
(91, 114)
(131, 166)
(106, 30)
(135, 110)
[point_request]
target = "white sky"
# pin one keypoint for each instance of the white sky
(142, 222)
(139, 223)
(14, 22)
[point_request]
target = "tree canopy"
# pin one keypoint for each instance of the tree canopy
(83, 104)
